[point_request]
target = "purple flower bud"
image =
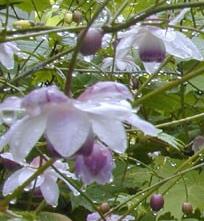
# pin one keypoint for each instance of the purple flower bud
(156, 202)
(151, 49)
(35, 100)
(95, 167)
(91, 42)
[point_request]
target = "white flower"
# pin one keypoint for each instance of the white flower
(7, 51)
(153, 42)
(66, 122)
(47, 181)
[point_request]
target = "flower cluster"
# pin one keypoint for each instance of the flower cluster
(87, 129)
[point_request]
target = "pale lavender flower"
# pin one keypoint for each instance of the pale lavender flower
(97, 166)
(46, 182)
(7, 51)
(153, 43)
(113, 217)
(67, 122)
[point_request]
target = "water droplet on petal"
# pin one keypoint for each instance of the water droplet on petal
(9, 117)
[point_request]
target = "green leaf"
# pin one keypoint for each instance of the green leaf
(47, 216)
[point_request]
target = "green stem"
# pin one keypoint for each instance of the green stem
(154, 186)
(180, 121)
(149, 12)
(68, 82)
(169, 85)
(19, 189)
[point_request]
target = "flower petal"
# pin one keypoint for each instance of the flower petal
(67, 130)
(111, 132)
(16, 179)
(25, 135)
(151, 67)
(146, 127)
(106, 90)
(180, 46)
(50, 191)
(115, 110)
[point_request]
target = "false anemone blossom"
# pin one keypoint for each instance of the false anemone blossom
(66, 122)
(7, 51)
(96, 166)
(46, 182)
(113, 217)
(153, 43)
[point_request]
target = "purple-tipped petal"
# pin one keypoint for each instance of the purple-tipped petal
(26, 135)
(36, 100)
(50, 191)
(106, 90)
(8, 162)
(111, 132)
(67, 130)
(95, 167)
(151, 49)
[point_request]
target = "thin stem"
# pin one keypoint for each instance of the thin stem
(169, 85)
(68, 82)
(180, 121)
(153, 75)
(19, 189)
(161, 182)
(149, 12)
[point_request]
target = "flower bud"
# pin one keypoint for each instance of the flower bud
(77, 16)
(156, 202)
(95, 167)
(91, 42)
(187, 208)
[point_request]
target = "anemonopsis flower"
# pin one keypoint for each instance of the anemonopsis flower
(153, 43)
(46, 182)
(67, 122)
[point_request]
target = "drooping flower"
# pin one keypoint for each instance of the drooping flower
(113, 217)
(7, 51)
(67, 122)
(46, 182)
(153, 43)
(97, 166)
